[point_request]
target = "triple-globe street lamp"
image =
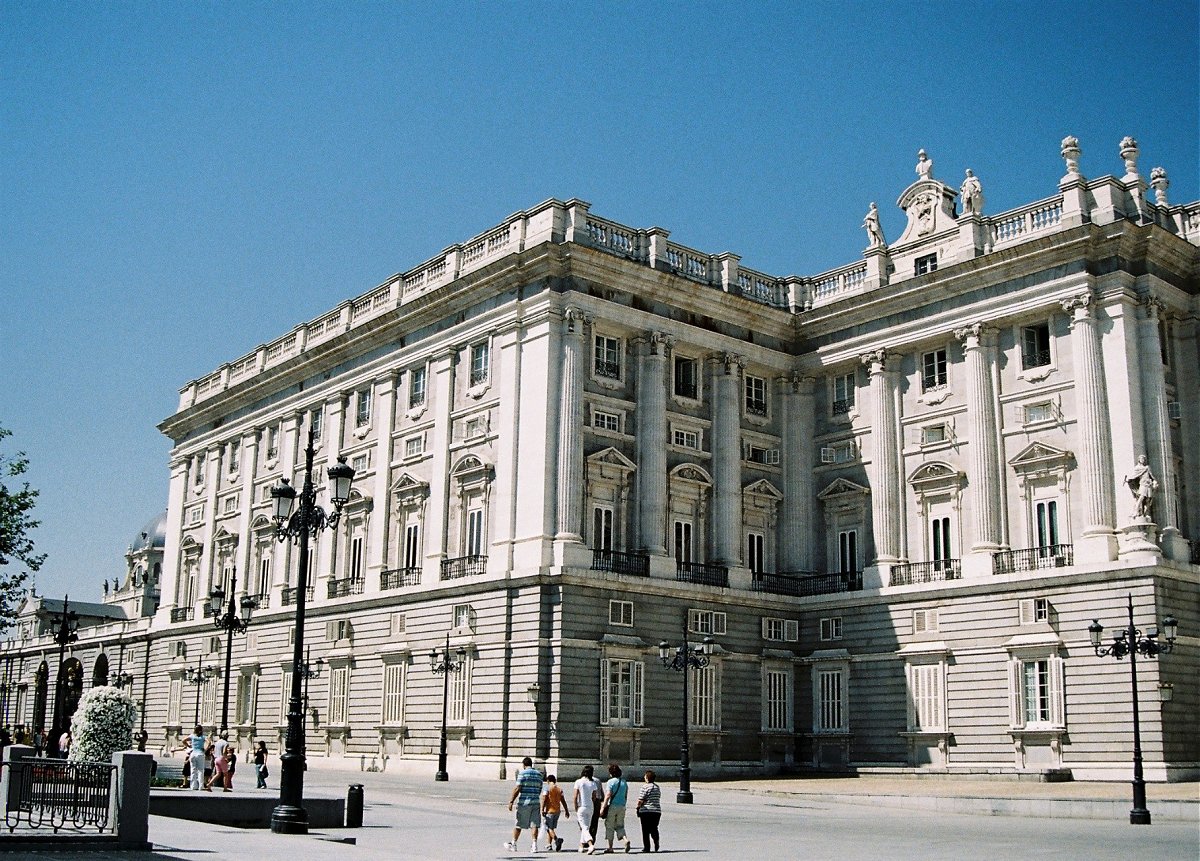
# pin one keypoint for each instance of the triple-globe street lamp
(297, 516)
(232, 619)
(443, 665)
(199, 676)
(683, 658)
(1132, 642)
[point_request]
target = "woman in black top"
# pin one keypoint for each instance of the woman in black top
(260, 764)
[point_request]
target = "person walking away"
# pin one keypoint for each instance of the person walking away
(196, 745)
(231, 759)
(260, 764)
(553, 804)
(616, 793)
(64, 744)
(39, 741)
(587, 807)
(649, 811)
(527, 796)
(220, 765)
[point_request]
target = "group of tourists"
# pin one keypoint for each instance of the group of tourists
(536, 798)
(213, 760)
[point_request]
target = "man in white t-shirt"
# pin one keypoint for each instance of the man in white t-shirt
(587, 801)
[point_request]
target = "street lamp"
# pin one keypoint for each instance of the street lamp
(1132, 642)
(235, 619)
(682, 659)
(300, 521)
(198, 676)
(444, 666)
(68, 626)
(309, 670)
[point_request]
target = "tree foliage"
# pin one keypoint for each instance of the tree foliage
(16, 524)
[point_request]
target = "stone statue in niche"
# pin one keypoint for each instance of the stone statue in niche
(874, 231)
(972, 195)
(1142, 484)
(924, 166)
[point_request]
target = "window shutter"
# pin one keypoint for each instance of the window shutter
(773, 456)
(828, 454)
(919, 624)
(693, 615)
(637, 693)
(791, 630)
(331, 630)
(604, 670)
(718, 623)
(1056, 691)
(1016, 696)
(914, 679)
(1027, 611)
(765, 626)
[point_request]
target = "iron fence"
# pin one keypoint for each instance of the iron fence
(806, 583)
(925, 572)
(291, 593)
(396, 578)
(347, 586)
(635, 564)
(1033, 558)
(698, 572)
(57, 794)
(463, 566)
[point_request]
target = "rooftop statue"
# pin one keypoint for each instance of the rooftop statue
(874, 231)
(972, 195)
(924, 166)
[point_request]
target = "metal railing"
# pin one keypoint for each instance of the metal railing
(756, 408)
(397, 578)
(1194, 557)
(925, 572)
(612, 370)
(685, 390)
(841, 406)
(347, 586)
(1034, 359)
(290, 593)
(1033, 558)
(698, 572)
(635, 564)
(806, 583)
(57, 794)
(463, 566)
(262, 600)
(182, 614)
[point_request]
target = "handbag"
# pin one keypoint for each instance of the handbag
(265, 774)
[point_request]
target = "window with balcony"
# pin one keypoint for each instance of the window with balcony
(480, 364)
(608, 357)
(756, 396)
(756, 555)
(417, 380)
(933, 370)
(1035, 346)
(843, 394)
(686, 377)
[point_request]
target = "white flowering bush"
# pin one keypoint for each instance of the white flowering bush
(102, 725)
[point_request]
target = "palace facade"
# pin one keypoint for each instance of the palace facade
(894, 495)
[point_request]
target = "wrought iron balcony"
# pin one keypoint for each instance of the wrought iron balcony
(344, 587)
(634, 564)
(925, 572)
(1034, 359)
(756, 408)
(182, 614)
(805, 583)
(292, 592)
(1051, 556)
(841, 406)
(262, 601)
(612, 370)
(685, 390)
(463, 566)
(698, 572)
(398, 578)
(207, 611)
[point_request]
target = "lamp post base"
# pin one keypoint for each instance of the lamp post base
(1139, 817)
(441, 776)
(683, 796)
(288, 819)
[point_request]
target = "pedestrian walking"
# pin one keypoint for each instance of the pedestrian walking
(616, 793)
(527, 796)
(649, 810)
(197, 746)
(587, 799)
(64, 744)
(39, 741)
(554, 802)
(260, 764)
(231, 759)
(220, 764)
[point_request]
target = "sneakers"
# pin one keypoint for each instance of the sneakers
(558, 841)
(626, 847)
(510, 846)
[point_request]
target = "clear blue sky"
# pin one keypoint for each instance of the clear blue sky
(180, 182)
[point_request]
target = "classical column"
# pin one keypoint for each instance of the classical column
(652, 445)
(170, 583)
(887, 499)
(248, 465)
(983, 455)
(1158, 428)
(384, 417)
(1098, 542)
(569, 519)
(212, 487)
(796, 509)
(727, 461)
(441, 394)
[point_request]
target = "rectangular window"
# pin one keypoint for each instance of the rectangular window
(463, 616)
(414, 446)
(683, 541)
(1036, 686)
(1034, 610)
(412, 545)
(780, 630)
(235, 455)
(831, 628)
(685, 377)
(940, 539)
(230, 504)
(756, 396)
(621, 692)
(707, 622)
(393, 694)
(705, 711)
(362, 408)
(316, 421)
(339, 684)
(602, 528)
(355, 562)
(208, 701)
(416, 387)
(830, 701)
(606, 421)
(685, 438)
(757, 454)
(459, 708)
(475, 427)
(1035, 346)
(933, 370)
(843, 393)
(756, 556)
(1036, 682)
(1043, 412)
(848, 551)
(273, 441)
(777, 693)
(339, 630)
(608, 357)
(620, 613)
(480, 363)
(247, 696)
(933, 434)
(925, 620)
(361, 462)
(1047, 524)
(174, 702)
(927, 263)
(475, 532)
(840, 453)
(926, 707)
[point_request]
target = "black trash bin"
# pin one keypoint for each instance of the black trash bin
(354, 806)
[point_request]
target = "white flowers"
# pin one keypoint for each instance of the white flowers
(103, 725)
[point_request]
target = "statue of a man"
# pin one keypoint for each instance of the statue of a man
(1142, 484)
(874, 231)
(924, 166)
(972, 194)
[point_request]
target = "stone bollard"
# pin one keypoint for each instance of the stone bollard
(354, 806)
(133, 790)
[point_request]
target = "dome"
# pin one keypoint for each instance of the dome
(152, 535)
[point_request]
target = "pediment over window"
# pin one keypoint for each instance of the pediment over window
(262, 523)
(693, 473)
(937, 474)
(409, 485)
(357, 501)
(191, 546)
(841, 488)
(609, 463)
(471, 468)
(224, 536)
(762, 487)
(1041, 458)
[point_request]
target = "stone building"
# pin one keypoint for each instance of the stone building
(894, 494)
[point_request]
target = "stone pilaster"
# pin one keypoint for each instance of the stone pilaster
(441, 392)
(212, 486)
(796, 509)
(1158, 430)
(384, 416)
(1098, 541)
(652, 445)
(170, 585)
(569, 516)
(727, 461)
(983, 455)
(887, 497)
(249, 469)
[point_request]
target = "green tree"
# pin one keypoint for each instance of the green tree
(16, 522)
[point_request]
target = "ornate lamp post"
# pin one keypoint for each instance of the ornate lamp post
(122, 679)
(198, 676)
(443, 666)
(1133, 642)
(231, 621)
(309, 670)
(68, 625)
(682, 659)
(299, 521)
